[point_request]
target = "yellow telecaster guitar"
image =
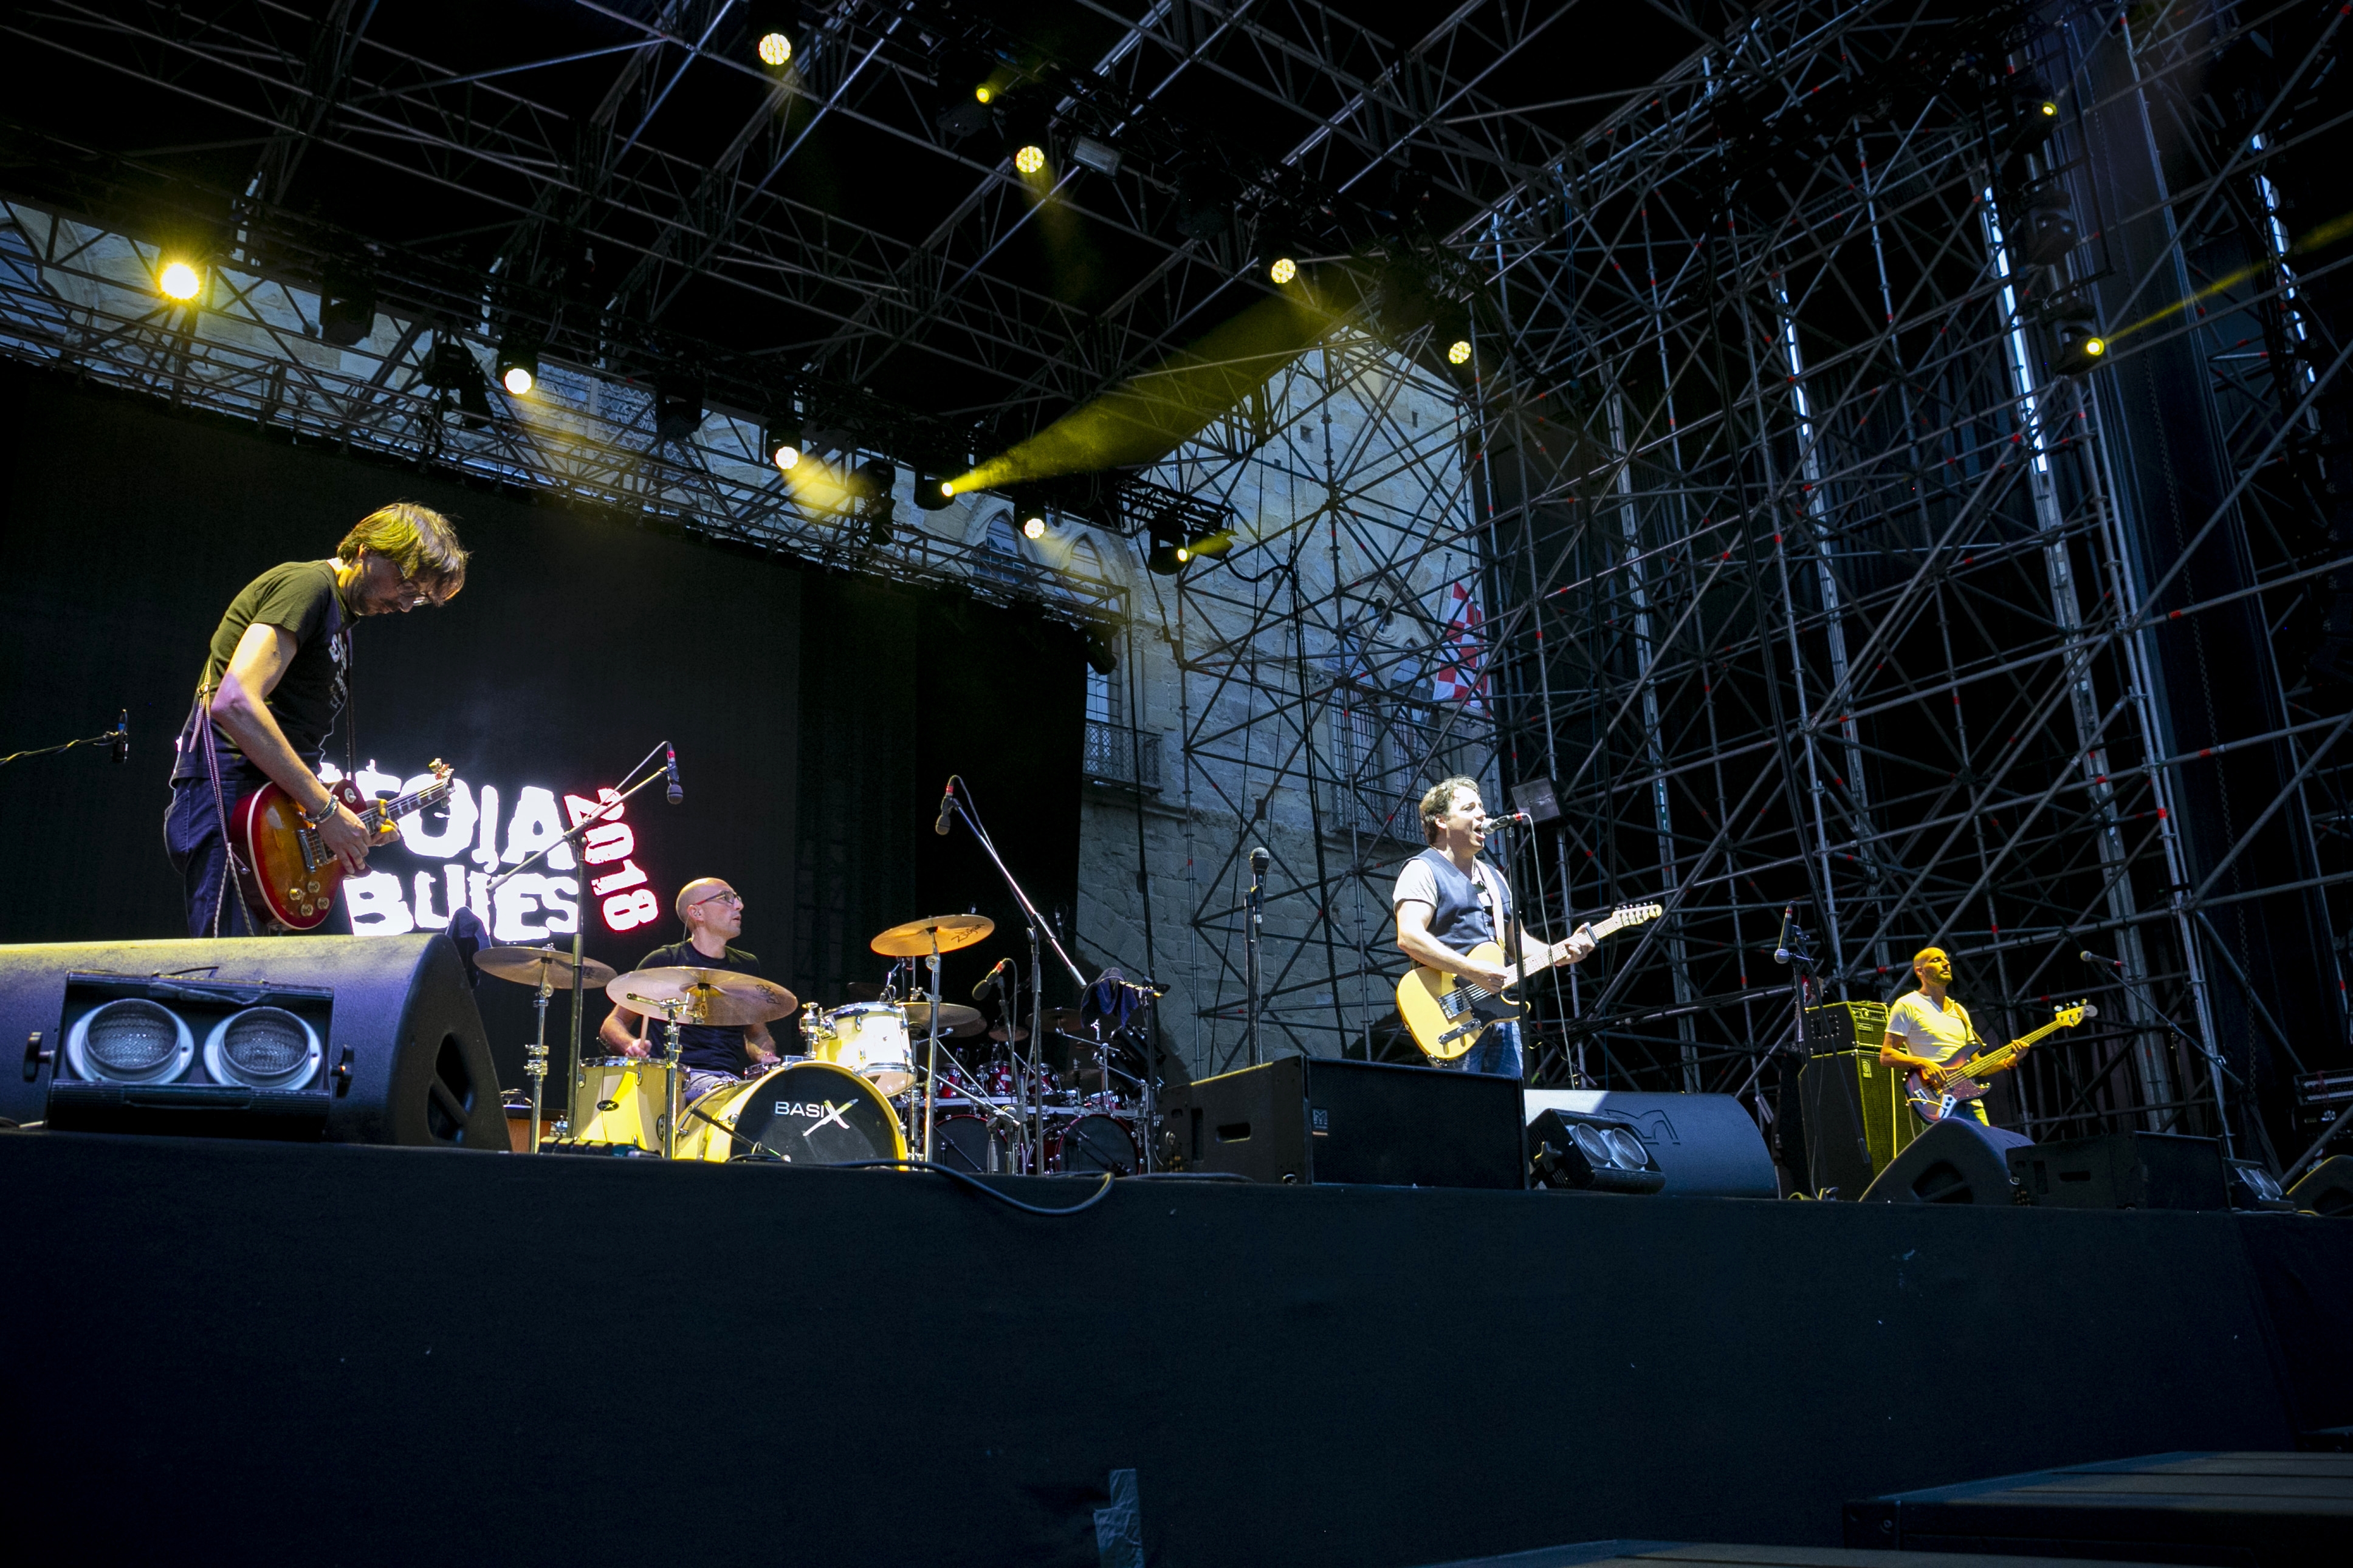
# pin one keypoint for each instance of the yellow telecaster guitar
(1447, 1018)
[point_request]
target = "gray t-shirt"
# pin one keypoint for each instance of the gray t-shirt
(1464, 913)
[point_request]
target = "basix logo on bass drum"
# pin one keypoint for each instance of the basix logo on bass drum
(820, 1111)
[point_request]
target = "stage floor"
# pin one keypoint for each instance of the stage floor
(381, 1355)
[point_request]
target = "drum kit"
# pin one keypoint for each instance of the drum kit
(891, 1073)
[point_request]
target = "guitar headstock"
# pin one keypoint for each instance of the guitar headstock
(439, 770)
(1626, 915)
(2070, 1015)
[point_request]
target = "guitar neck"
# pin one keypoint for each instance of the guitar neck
(2001, 1057)
(387, 811)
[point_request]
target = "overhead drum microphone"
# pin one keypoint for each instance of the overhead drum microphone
(947, 799)
(988, 981)
(676, 793)
(1781, 945)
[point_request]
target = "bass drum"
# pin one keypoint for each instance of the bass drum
(966, 1143)
(1091, 1145)
(804, 1113)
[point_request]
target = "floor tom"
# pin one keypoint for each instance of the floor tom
(621, 1099)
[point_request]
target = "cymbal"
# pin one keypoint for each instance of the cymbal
(863, 991)
(718, 996)
(1067, 1020)
(913, 940)
(997, 1033)
(955, 1018)
(524, 965)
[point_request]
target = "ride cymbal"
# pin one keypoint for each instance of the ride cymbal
(716, 996)
(524, 965)
(915, 939)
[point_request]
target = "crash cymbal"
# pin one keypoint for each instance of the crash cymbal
(913, 940)
(719, 996)
(524, 965)
(955, 1018)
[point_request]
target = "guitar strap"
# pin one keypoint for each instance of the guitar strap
(232, 873)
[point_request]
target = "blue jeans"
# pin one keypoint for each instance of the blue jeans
(1498, 1051)
(192, 838)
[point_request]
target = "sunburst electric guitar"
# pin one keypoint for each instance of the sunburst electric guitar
(288, 872)
(1448, 1015)
(1964, 1081)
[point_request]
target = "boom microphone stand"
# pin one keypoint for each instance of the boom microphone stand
(576, 836)
(1037, 963)
(1254, 907)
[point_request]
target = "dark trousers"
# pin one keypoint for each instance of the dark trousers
(192, 838)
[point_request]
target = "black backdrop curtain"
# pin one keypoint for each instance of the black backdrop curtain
(814, 713)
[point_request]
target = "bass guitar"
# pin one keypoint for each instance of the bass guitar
(1447, 1014)
(285, 870)
(1964, 1081)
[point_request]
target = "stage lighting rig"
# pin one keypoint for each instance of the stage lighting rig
(780, 441)
(932, 492)
(518, 364)
(1459, 351)
(2081, 350)
(346, 304)
(180, 281)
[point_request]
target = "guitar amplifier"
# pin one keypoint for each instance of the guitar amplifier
(1855, 1115)
(1845, 1026)
(1319, 1118)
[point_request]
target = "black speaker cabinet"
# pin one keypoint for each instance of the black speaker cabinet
(353, 1039)
(1318, 1119)
(1955, 1160)
(2124, 1171)
(1856, 1119)
(2325, 1189)
(1706, 1145)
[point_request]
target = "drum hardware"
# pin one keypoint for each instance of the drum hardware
(928, 938)
(545, 969)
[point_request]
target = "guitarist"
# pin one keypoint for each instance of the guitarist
(274, 679)
(1926, 1028)
(1448, 901)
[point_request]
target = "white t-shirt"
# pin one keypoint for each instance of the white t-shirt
(1924, 1029)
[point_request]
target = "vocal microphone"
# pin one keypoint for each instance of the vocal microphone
(676, 794)
(122, 737)
(1258, 859)
(1782, 944)
(1513, 819)
(988, 982)
(2088, 956)
(947, 798)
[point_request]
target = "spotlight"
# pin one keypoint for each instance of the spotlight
(1033, 527)
(1168, 558)
(873, 479)
(948, 489)
(2050, 110)
(931, 493)
(677, 408)
(1103, 652)
(984, 93)
(2080, 349)
(1029, 159)
(450, 368)
(1283, 270)
(346, 306)
(1459, 352)
(180, 281)
(517, 366)
(1100, 156)
(774, 48)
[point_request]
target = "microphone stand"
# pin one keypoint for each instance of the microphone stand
(1254, 917)
(2215, 1066)
(1037, 978)
(576, 836)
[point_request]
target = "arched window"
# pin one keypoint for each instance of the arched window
(999, 557)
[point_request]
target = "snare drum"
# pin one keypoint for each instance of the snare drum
(805, 1113)
(1092, 1145)
(621, 1099)
(868, 1038)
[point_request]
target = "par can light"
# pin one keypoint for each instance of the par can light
(1460, 353)
(180, 281)
(1283, 270)
(774, 48)
(1029, 159)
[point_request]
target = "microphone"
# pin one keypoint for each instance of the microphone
(1512, 819)
(122, 737)
(1258, 859)
(1781, 943)
(676, 794)
(988, 982)
(948, 797)
(2088, 956)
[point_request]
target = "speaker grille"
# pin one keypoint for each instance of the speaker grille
(266, 1042)
(130, 1039)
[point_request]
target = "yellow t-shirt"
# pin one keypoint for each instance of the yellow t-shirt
(1917, 1027)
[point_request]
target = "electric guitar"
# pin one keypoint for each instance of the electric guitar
(1447, 1018)
(1964, 1081)
(287, 871)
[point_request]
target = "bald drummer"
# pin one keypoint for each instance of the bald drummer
(713, 1057)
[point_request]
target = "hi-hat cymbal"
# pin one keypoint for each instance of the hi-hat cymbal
(1066, 1020)
(915, 938)
(719, 996)
(524, 965)
(955, 1018)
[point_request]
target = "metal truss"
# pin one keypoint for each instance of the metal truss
(1814, 580)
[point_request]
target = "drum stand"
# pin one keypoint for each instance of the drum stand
(931, 1051)
(536, 1057)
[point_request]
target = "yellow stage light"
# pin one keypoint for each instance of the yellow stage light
(181, 281)
(2050, 110)
(517, 380)
(1460, 353)
(947, 487)
(2095, 347)
(1029, 159)
(786, 458)
(1033, 527)
(1183, 555)
(1283, 270)
(774, 48)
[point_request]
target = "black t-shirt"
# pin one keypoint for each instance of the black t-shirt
(705, 1048)
(299, 597)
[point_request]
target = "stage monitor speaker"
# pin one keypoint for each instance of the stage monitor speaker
(1319, 1118)
(1570, 1151)
(2124, 1171)
(2251, 1185)
(2325, 1189)
(353, 1039)
(1956, 1160)
(1856, 1119)
(1707, 1144)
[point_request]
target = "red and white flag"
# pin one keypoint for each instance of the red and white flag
(1459, 664)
